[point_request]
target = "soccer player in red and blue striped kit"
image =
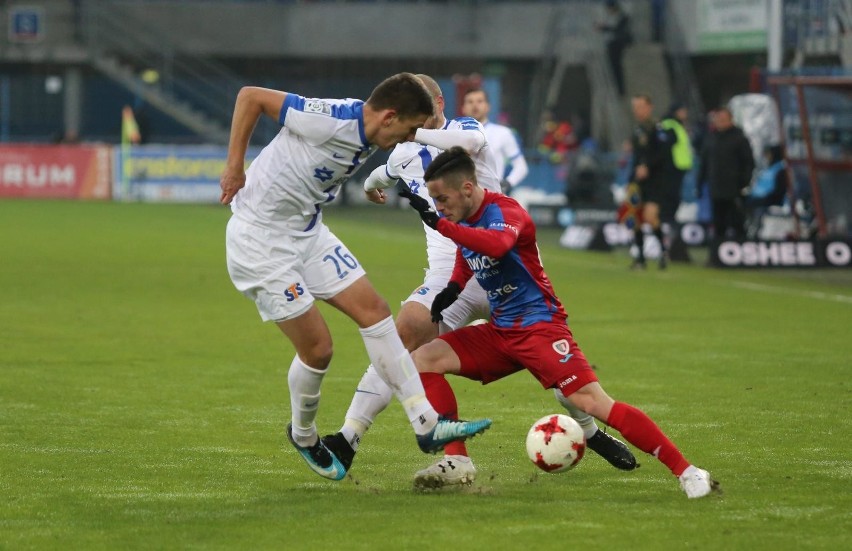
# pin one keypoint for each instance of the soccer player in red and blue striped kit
(528, 327)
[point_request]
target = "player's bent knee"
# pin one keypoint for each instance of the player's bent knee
(435, 357)
(372, 310)
(584, 401)
(593, 400)
(317, 356)
(426, 360)
(414, 333)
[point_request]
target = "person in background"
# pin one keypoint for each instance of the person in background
(769, 189)
(726, 169)
(652, 169)
(619, 37)
(511, 166)
(558, 141)
(676, 122)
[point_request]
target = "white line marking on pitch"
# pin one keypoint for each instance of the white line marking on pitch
(786, 290)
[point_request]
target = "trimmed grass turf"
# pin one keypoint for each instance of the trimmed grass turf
(142, 402)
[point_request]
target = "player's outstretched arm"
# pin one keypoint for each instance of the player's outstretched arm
(469, 140)
(375, 184)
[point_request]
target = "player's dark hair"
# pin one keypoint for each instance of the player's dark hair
(454, 165)
(404, 93)
(474, 90)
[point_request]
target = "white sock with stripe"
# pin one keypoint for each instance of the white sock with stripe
(304, 383)
(394, 365)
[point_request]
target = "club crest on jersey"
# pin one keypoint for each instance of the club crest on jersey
(317, 106)
(563, 349)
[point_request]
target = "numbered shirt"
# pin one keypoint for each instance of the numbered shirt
(408, 162)
(320, 144)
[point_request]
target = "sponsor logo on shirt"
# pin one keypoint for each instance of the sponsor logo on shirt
(568, 381)
(478, 263)
(503, 291)
(502, 225)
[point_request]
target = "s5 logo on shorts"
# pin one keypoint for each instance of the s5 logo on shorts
(293, 292)
(421, 291)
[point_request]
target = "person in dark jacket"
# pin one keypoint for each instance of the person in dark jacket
(727, 164)
(652, 169)
(618, 37)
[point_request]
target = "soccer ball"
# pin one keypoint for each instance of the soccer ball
(556, 443)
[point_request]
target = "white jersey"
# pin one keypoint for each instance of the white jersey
(506, 149)
(319, 146)
(409, 161)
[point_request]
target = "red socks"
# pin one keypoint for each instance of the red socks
(440, 395)
(638, 429)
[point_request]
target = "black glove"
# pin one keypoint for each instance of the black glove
(444, 299)
(421, 205)
(505, 187)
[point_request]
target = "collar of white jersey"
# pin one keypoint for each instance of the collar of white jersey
(358, 109)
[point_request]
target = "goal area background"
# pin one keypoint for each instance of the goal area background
(816, 122)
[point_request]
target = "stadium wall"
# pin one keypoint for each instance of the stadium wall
(507, 30)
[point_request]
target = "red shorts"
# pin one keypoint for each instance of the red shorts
(546, 349)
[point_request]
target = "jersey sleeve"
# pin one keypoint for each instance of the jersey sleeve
(496, 239)
(379, 178)
(512, 152)
(312, 119)
(470, 141)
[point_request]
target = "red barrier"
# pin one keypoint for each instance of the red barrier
(55, 171)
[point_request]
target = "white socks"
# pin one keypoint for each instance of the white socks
(371, 398)
(395, 367)
(304, 383)
(586, 421)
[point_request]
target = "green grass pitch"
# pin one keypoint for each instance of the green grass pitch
(142, 401)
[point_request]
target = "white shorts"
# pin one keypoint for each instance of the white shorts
(284, 273)
(471, 305)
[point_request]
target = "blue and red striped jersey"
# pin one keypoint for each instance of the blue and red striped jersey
(497, 246)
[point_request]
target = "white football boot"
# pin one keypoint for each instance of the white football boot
(697, 482)
(450, 470)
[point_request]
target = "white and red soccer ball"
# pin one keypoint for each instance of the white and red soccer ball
(556, 443)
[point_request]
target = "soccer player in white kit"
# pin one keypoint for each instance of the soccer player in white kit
(408, 163)
(281, 255)
(501, 140)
